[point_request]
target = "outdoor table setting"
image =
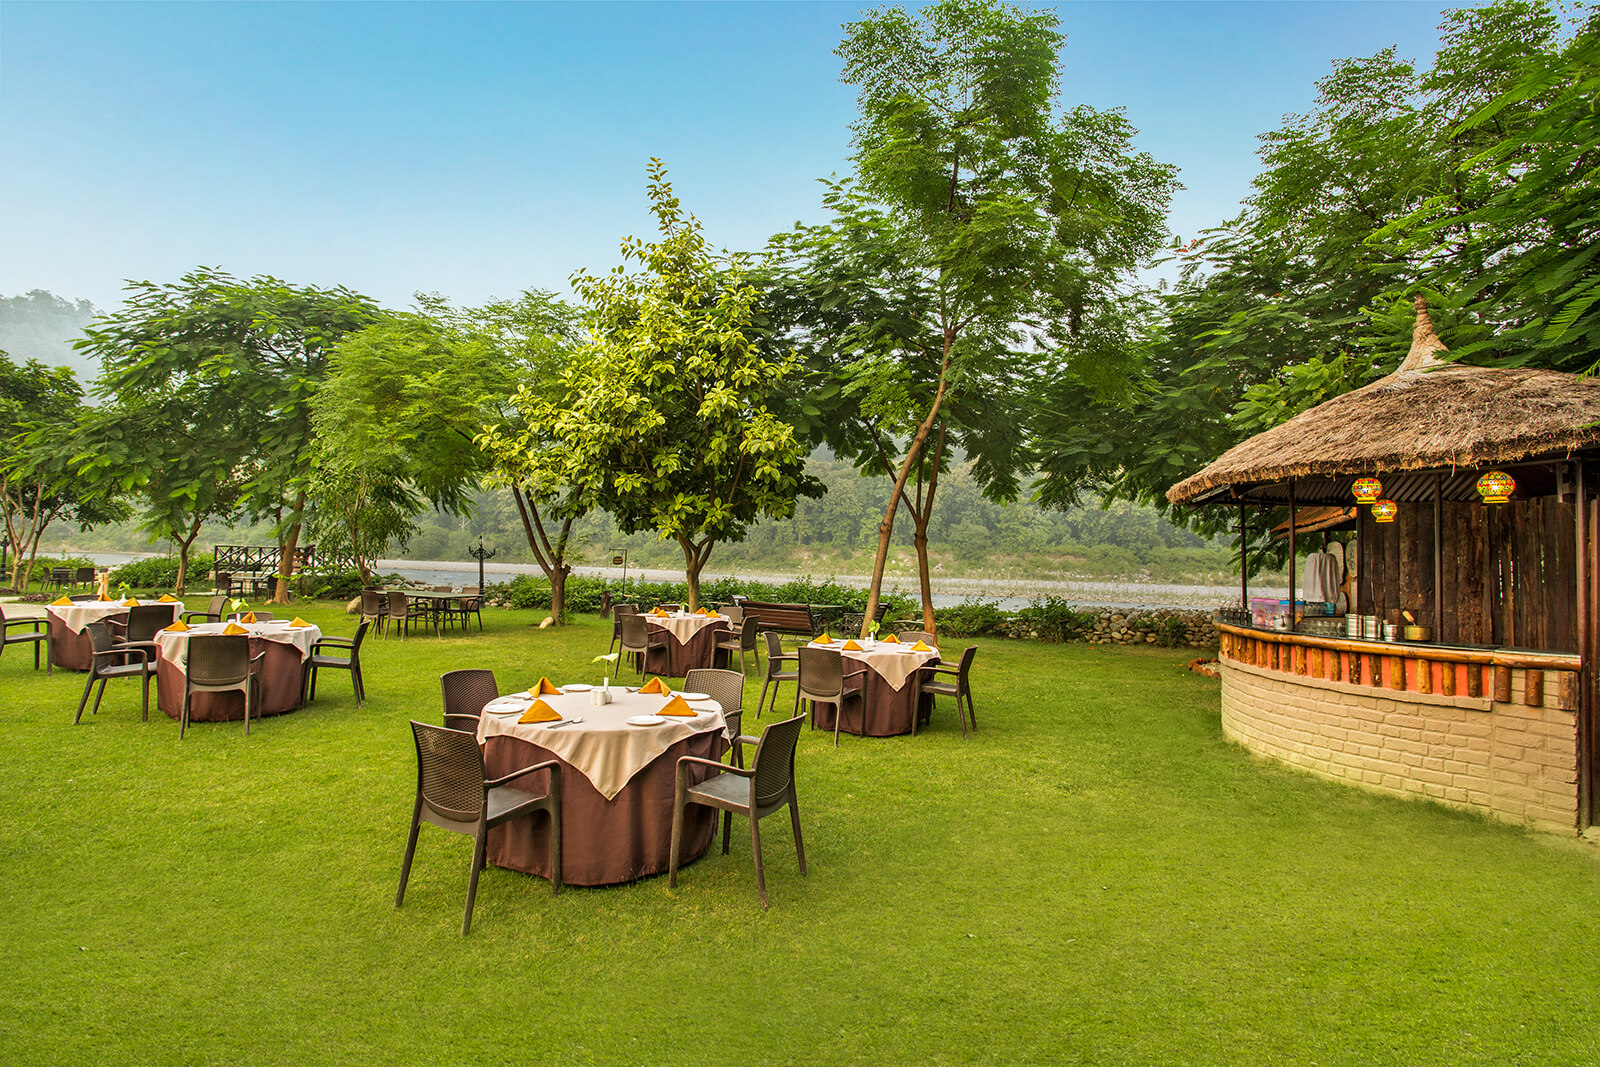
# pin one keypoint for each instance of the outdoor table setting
(889, 692)
(287, 645)
(618, 762)
(70, 647)
(691, 641)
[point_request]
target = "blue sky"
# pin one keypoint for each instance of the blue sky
(479, 149)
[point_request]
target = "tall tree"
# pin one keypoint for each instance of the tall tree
(258, 350)
(986, 241)
(664, 417)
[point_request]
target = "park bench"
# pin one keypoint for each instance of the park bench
(782, 618)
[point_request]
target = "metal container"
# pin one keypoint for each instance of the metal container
(1369, 627)
(1391, 630)
(1419, 633)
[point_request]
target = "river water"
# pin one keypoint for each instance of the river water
(1012, 594)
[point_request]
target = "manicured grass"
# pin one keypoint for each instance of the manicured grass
(1095, 877)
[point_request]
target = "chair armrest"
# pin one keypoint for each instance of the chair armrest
(553, 766)
(142, 650)
(337, 642)
(942, 668)
(206, 615)
(740, 771)
(746, 739)
(35, 623)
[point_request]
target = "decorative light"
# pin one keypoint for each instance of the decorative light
(1384, 510)
(1496, 487)
(1367, 490)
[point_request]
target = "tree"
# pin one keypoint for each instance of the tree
(39, 412)
(663, 418)
(985, 243)
(257, 351)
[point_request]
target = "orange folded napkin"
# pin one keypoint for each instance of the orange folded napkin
(658, 613)
(130, 603)
(546, 688)
(167, 598)
(890, 640)
(540, 712)
(920, 647)
(61, 602)
(234, 629)
(105, 600)
(676, 706)
(179, 627)
(249, 618)
(656, 685)
(850, 646)
(701, 611)
(823, 640)
(298, 621)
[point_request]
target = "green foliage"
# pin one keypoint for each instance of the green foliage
(1054, 620)
(973, 617)
(342, 584)
(160, 572)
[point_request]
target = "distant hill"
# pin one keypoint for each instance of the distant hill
(42, 326)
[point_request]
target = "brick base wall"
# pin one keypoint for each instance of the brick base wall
(1516, 762)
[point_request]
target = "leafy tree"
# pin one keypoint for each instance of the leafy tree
(256, 352)
(39, 411)
(984, 244)
(663, 419)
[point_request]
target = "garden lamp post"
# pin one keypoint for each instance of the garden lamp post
(480, 554)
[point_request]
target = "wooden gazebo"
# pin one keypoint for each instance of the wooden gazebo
(1497, 710)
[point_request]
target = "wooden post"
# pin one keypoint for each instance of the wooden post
(1397, 673)
(1438, 558)
(1447, 679)
(1424, 676)
(1502, 685)
(1474, 680)
(1533, 688)
(1244, 567)
(1294, 623)
(1588, 806)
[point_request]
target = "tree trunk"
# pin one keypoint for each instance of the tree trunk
(286, 553)
(550, 557)
(922, 515)
(694, 560)
(184, 545)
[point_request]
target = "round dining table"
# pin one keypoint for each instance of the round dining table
(282, 671)
(691, 642)
(617, 781)
(890, 696)
(70, 647)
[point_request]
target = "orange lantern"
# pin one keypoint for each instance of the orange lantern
(1384, 511)
(1496, 487)
(1367, 490)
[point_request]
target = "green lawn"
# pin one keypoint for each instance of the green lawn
(1095, 877)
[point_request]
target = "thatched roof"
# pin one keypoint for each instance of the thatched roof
(1315, 520)
(1428, 415)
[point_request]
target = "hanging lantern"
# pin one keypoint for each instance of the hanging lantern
(1384, 510)
(1496, 487)
(1367, 490)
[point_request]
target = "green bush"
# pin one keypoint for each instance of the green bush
(343, 585)
(1053, 619)
(161, 572)
(972, 618)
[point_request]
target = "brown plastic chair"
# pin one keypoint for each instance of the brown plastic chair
(742, 642)
(617, 612)
(402, 614)
(349, 661)
(60, 577)
(84, 576)
(453, 794)
(213, 612)
(775, 672)
(911, 637)
(39, 636)
(374, 607)
(465, 694)
(110, 660)
(755, 793)
(727, 689)
(822, 681)
(473, 606)
(261, 616)
(142, 625)
(220, 663)
(959, 688)
(638, 639)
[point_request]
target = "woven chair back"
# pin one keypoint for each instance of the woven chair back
(399, 605)
(100, 636)
(821, 674)
(725, 687)
(774, 761)
(372, 602)
(449, 772)
(467, 691)
(146, 620)
(774, 645)
(219, 659)
(635, 632)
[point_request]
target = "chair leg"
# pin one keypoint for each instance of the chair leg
(76, 719)
(99, 696)
(961, 713)
(755, 846)
(313, 682)
(411, 850)
(972, 712)
(838, 718)
(727, 830)
(360, 683)
(677, 839)
(764, 683)
(144, 709)
(183, 719)
(555, 840)
(794, 821)
(480, 845)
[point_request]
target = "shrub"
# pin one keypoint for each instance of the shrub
(972, 618)
(161, 572)
(344, 585)
(1053, 619)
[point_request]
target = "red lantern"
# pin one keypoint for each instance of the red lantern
(1385, 511)
(1367, 490)
(1496, 487)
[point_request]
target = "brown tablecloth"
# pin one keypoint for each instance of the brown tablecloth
(887, 710)
(281, 675)
(74, 651)
(679, 658)
(604, 842)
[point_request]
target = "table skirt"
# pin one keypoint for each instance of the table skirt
(281, 673)
(68, 650)
(678, 659)
(887, 710)
(604, 842)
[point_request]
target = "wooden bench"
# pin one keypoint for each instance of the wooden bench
(782, 618)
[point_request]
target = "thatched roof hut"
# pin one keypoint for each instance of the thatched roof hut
(1429, 414)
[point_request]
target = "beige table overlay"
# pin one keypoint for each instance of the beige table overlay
(175, 643)
(681, 626)
(894, 663)
(80, 613)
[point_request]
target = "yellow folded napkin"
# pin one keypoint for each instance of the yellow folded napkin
(234, 629)
(105, 600)
(656, 685)
(61, 602)
(676, 706)
(540, 712)
(890, 640)
(658, 613)
(824, 640)
(130, 603)
(298, 621)
(249, 618)
(546, 688)
(851, 646)
(167, 598)
(701, 611)
(179, 627)
(920, 647)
